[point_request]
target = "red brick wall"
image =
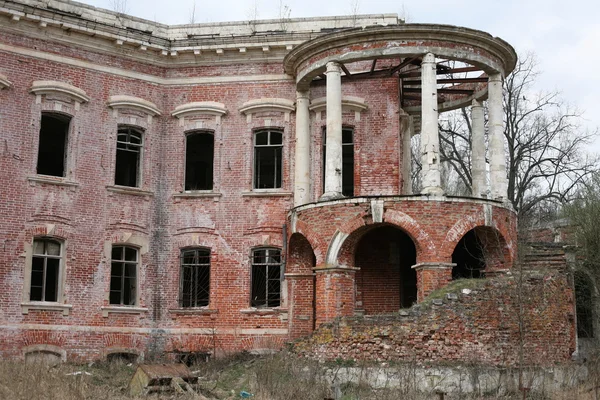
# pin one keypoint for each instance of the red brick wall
(481, 327)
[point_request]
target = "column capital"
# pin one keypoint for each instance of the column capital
(428, 58)
(433, 266)
(302, 94)
(333, 66)
(497, 77)
(476, 103)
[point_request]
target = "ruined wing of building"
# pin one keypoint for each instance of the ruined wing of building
(234, 186)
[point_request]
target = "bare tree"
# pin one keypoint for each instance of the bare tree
(119, 6)
(193, 13)
(546, 157)
(354, 10)
(252, 15)
(284, 15)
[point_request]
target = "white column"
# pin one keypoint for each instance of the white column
(407, 134)
(498, 180)
(302, 167)
(430, 143)
(478, 181)
(333, 149)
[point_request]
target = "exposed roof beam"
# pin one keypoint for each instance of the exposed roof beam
(404, 63)
(442, 90)
(373, 65)
(448, 80)
(348, 74)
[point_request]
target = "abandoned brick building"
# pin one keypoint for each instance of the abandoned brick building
(233, 186)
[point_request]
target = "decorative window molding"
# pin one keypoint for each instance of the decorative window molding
(4, 82)
(44, 88)
(349, 103)
(119, 102)
(115, 309)
(284, 106)
(45, 306)
(199, 108)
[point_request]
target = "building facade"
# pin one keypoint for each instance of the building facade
(221, 187)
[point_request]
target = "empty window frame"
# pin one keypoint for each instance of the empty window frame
(199, 156)
(347, 161)
(195, 278)
(266, 278)
(52, 150)
(268, 147)
(46, 262)
(128, 161)
(123, 275)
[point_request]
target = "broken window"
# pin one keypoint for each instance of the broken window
(129, 149)
(123, 275)
(266, 277)
(45, 270)
(52, 149)
(268, 146)
(195, 278)
(347, 161)
(199, 154)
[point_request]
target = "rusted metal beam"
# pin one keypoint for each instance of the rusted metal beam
(407, 61)
(373, 65)
(457, 70)
(442, 90)
(448, 80)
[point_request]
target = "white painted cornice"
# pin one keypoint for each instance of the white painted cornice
(267, 104)
(124, 101)
(54, 87)
(4, 82)
(199, 108)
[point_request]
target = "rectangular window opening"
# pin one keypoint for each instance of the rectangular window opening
(268, 148)
(199, 159)
(54, 129)
(266, 278)
(123, 276)
(129, 148)
(195, 278)
(45, 270)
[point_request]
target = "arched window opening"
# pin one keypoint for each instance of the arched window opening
(199, 160)
(347, 161)
(122, 358)
(43, 357)
(268, 163)
(52, 150)
(469, 257)
(128, 161)
(194, 278)
(584, 303)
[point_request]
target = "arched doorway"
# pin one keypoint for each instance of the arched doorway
(478, 250)
(584, 304)
(385, 281)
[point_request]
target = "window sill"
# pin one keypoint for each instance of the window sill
(45, 306)
(52, 180)
(267, 193)
(196, 194)
(193, 311)
(129, 190)
(122, 310)
(264, 311)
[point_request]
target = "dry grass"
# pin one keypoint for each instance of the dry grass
(276, 377)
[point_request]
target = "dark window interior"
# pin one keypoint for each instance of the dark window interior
(195, 278)
(123, 275)
(124, 358)
(266, 278)
(347, 161)
(45, 267)
(129, 147)
(468, 257)
(199, 155)
(268, 146)
(53, 144)
(584, 303)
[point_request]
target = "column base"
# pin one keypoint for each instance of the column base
(433, 191)
(331, 196)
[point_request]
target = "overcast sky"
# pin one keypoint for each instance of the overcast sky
(565, 35)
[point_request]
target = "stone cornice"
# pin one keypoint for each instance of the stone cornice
(55, 87)
(4, 82)
(124, 101)
(401, 34)
(351, 103)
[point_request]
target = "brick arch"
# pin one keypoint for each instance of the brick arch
(470, 222)
(300, 255)
(318, 243)
(419, 236)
